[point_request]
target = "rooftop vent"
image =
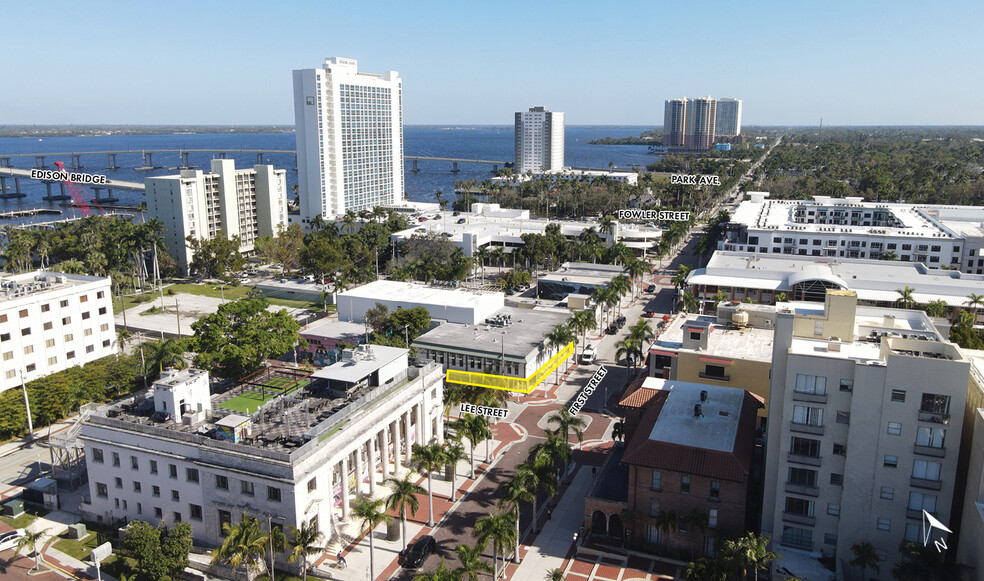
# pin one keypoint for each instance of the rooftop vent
(698, 412)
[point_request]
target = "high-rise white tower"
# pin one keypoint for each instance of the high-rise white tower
(539, 140)
(675, 123)
(349, 138)
(728, 122)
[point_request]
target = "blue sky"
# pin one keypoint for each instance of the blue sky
(185, 62)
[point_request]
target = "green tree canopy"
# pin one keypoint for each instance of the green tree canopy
(215, 258)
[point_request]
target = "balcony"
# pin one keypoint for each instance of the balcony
(927, 484)
(929, 451)
(810, 397)
(934, 417)
(802, 489)
(798, 519)
(801, 459)
(806, 428)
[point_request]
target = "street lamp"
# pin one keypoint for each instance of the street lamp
(27, 404)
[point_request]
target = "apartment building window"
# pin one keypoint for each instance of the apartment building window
(891, 461)
(246, 488)
(932, 437)
(175, 495)
(221, 482)
(225, 518)
(805, 447)
(920, 501)
(139, 508)
(913, 532)
(134, 463)
(85, 315)
(807, 415)
(118, 482)
(797, 537)
(158, 513)
(926, 470)
(153, 466)
(712, 518)
(116, 459)
(898, 395)
(10, 373)
(8, 355)
(847, 385)
(312, 484)
(829, 539)
(30, 367)
(653, 535)
(192, 475)
(194, 512)
(887, 493)
(935, 403)
(136, 486)
(273, 494)
(66, 320)
(102, 491)
(811, 384)
(84, 299)
(47, 326)
(840, 449)
(172, 470)
(799, 506)
(843, 417)
(3, 318)
(25, 332)
(715, 490)
(803, 477)
(653, 507)
(833, 509)
(883, 524)
(97, 455)
(104, 327)
(102, 310)
(52, 360)
(23, 313)
(894, 429)
(657, 483)
(837, 479)
(4, 337)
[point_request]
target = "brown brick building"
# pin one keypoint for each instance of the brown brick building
(680, 484)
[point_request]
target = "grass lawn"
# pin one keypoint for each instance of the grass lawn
(25, 519)
(248, 399)
(78, 548)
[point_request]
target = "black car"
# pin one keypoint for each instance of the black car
(418, 552)
(620, 321)
(612, 329)
(651, 288)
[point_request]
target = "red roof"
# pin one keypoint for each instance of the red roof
(734, 465)
(637, 396)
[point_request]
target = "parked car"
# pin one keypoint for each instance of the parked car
(649, 314)
(589, 354)
(9, 540)
(620, 321)
(418, 552)
(455, 213)
(422, 219)
(612, 329)
(651, 288)
(462, 220)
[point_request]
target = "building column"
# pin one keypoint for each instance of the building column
(395, 433)
(345, 488)
(422, 435)
(372, 466)
(383, 453)
(358, 471)
(407, 427)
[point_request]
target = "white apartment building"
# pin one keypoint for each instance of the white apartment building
(866, 407)
(728, 117)
(248, 203)
(349, 139)
(937, 236)
(539, 141)
(50, 321)
(174, 454)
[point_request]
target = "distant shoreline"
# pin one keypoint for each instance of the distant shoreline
(104, 130)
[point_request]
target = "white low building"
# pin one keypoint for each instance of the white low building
(303, 458)
(937, 236)
(50, 321)
(454, 305)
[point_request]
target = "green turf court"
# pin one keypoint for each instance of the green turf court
(253, 399)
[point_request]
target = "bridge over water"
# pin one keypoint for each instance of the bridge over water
(18, 174)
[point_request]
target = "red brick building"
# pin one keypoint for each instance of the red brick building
(680, 485)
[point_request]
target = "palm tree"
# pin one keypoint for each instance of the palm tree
(937, 308)
(666, 521)
(567, 423)
(454, 452)
(305, 541)
(556, 340)
(476, 429)
(688, 302)
(30, 541)
(865, 557)
(888, 255)
(974, 301)
(620, 286)
(694, 519)
(905, 297)
(404, 496)
(245, 543)
(168, 352)
(520, 488)
(471, 562)
(705, 569)
(442, 573)
(748, 553)
(582, 322)
(555, 575)
(349, 222)
(636, 269)
(607, 226)
(499, 529)
(618, 431)
(631, 349)
(429, 458)
(641, 331)
(680, 279)
(371, 513)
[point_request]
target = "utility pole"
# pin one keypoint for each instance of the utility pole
(273, 574)
(27, 405)
(177, 315)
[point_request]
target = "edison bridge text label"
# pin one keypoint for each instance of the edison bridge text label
(64, 176)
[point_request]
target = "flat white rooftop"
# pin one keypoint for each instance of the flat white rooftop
(750, 343)
(32, 284)
(361, 366)
(872, 280)
(677, 424)
(458, 305)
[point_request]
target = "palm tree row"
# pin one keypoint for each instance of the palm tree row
(738, 559)
(246, 544)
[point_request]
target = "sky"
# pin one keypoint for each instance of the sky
(602, 63)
